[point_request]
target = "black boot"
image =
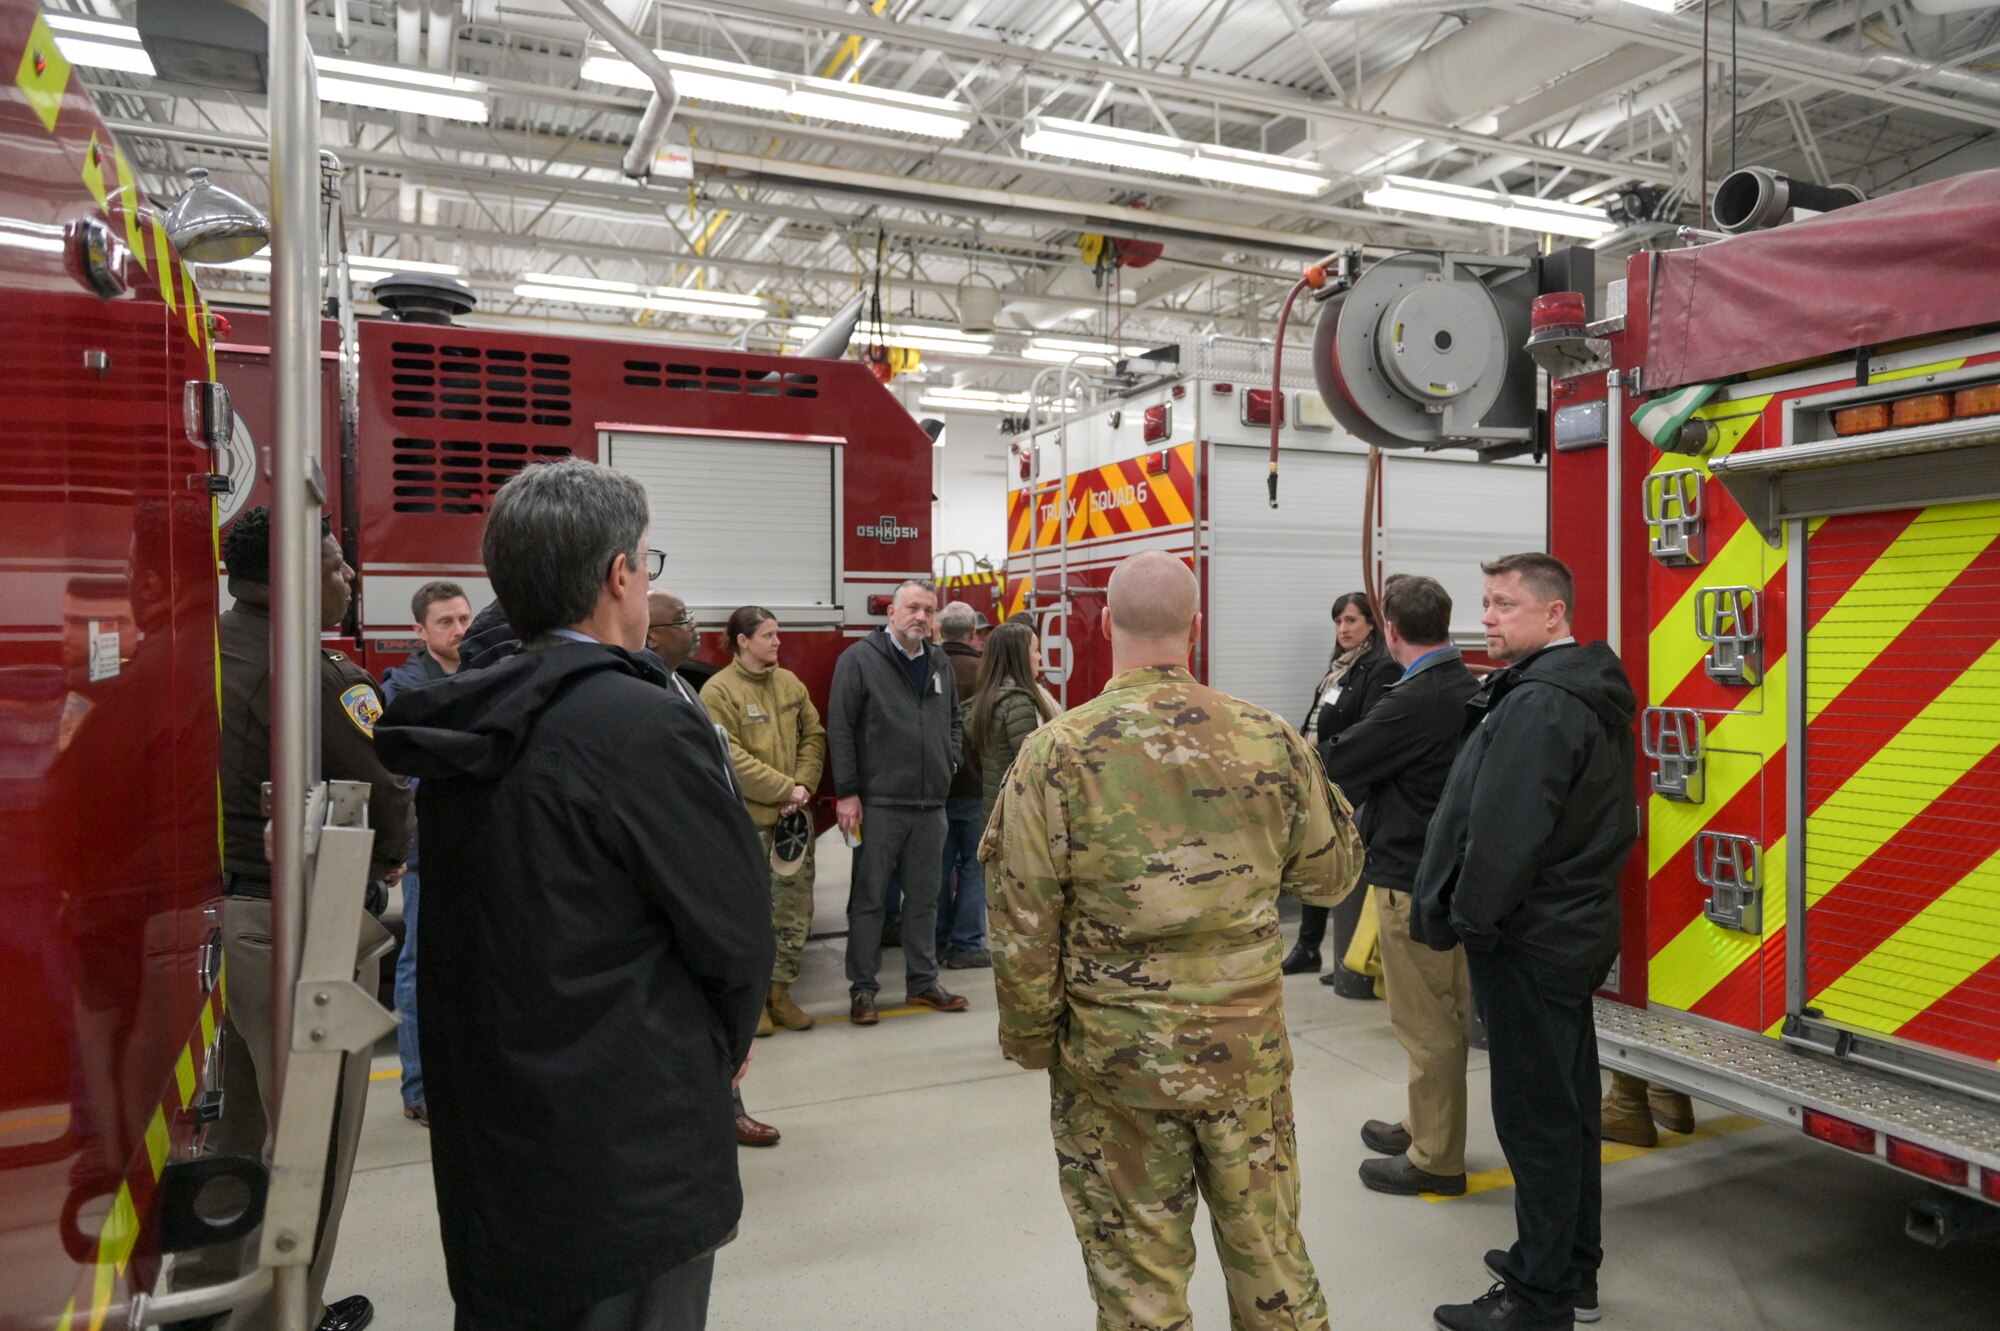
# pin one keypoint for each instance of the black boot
(1302, 960)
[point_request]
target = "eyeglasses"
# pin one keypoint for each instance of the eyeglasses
(684, 622)
(656, 564)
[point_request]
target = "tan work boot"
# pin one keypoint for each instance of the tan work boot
(780, 1008)
(1627, 1118)
(764, 1026)
(1671, 1110)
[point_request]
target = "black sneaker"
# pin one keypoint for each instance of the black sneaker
(1495, 1310)
(1586, 1300)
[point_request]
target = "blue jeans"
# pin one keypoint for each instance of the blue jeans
(406, 998)
(961, 917)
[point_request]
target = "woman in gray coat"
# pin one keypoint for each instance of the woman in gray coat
(1006, 707)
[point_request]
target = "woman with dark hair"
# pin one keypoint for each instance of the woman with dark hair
(779, 748)
(1356, 674)
(1007, 706)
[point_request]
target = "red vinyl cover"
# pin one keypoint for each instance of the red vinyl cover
(1925, 260)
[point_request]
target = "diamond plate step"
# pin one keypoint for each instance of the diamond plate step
(1776, 1082)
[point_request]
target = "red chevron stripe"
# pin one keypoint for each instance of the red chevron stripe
(1674, 898)
(1964, 1021)
(1940, 644)
(1887, 890)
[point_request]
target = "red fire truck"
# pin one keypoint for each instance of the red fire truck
(1181, 462)
(798, 485)
(107, 710)
(1776, 460)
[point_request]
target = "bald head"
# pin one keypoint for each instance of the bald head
(669, 628)
(1152, 610)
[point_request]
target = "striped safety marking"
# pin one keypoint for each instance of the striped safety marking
(119, 1236)
(1113, 500)
(1696, 965)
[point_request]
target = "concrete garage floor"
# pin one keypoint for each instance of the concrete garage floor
(915, 1191)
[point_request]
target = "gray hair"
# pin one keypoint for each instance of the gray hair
(551, 536)
(957, 621)
(921, 584)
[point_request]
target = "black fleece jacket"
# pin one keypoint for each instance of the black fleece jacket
(1392, 764)
(887, 742)
(1538, 814)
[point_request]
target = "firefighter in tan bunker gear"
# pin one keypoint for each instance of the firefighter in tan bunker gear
(1134, 862)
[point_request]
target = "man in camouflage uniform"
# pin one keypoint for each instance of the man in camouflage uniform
(1135, 856)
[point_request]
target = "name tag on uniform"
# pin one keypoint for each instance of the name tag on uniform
(937, 683)
(754, 713)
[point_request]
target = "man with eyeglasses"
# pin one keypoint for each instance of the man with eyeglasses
(597, 937)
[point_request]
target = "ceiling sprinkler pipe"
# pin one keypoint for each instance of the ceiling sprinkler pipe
(1758, 197)
(659, 113)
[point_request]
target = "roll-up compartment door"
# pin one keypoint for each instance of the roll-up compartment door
(1902, 775)
(742, 521)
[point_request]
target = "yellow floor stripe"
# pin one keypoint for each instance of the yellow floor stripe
(1492, 1180)
(1947, 943)
(1926, 758)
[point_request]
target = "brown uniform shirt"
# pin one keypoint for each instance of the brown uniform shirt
(349, 705)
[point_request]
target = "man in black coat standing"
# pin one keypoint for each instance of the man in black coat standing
(1392, 764)
(1522, 866)
(597, 938)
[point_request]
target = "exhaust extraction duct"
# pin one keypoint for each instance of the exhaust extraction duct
(1758, 197)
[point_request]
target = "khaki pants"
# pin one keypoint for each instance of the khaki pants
(1430, 1007)
(1130, 1177)
(244, 1128)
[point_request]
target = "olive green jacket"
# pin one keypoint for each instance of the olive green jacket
(775, 735)
(1014, 719)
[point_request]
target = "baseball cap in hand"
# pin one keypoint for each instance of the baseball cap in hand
(790, 840)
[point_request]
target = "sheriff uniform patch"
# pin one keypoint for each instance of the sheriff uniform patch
(363, 708)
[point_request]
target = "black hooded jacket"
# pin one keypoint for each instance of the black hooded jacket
(1538, 814)
(597, 945)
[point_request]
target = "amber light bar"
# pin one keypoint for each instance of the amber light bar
(1921, 409)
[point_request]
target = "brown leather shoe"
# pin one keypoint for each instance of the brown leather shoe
(939, 999)
(861, 1012)
(749, 1132)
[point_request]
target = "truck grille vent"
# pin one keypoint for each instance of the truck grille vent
(717, 379)
(458, 477)
(439, 381)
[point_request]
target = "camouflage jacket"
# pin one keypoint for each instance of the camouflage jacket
(1134, 860)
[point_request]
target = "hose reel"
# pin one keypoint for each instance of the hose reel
(1419, 351)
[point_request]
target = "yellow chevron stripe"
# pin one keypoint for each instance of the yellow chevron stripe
(184, 1077)
(1673, 650)
(68, 1319)
(1926, 758)
(129, 202)
(1732, 420)
(164, 252)
(1738, 750)
(1172, 502)
(1703, 955)
(207, 1025)
(1947, 943)
(43, 88)
(1925, 559)
(156, 1143)
(100, 1293)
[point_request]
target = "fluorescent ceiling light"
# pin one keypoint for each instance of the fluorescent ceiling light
(1439, 199)
(924, 337)
(630, 296)
(1083, 346)
(1053, 357)
(364, 266)
(1133, 150)
(98, 44)
(393, 88)
(957, 399)
(701, 79)
(1658, 6)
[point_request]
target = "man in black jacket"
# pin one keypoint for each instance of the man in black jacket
(1392, 765)
(597, 938)
(1522, 865)
(893, 737)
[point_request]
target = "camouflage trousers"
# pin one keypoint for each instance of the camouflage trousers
(1130, 1178)
(791, 909)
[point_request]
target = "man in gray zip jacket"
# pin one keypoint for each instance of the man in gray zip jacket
(893, 736)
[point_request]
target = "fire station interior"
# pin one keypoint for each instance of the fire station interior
(1700, 296)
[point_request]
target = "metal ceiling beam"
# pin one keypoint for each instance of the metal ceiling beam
(1242, 94)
